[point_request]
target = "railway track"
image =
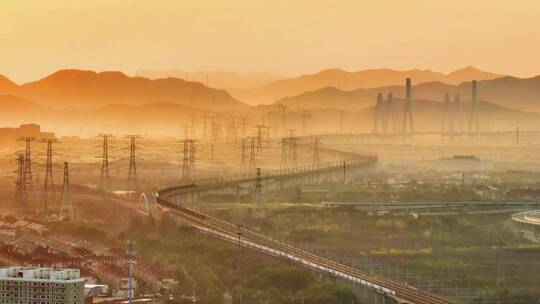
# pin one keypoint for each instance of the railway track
(247, 238)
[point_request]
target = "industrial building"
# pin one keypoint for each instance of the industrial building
(32, 285)
(9, 136)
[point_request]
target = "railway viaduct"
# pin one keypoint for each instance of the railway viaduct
(370, 289)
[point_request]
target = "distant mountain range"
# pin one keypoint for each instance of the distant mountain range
(510, 92)
(88, 89)
(156, 118)
(348, 81)
(219, 79)
(86, 102)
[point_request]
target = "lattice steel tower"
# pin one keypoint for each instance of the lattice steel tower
(252, 157)
(284, 148)
(28, 176)
(105, 176)
(259, 207)
(20, 188)
(188, 158)
(49, 178)
(316, 153)
(243, 153)
(132, 178)
(260, 131)
(66, 206)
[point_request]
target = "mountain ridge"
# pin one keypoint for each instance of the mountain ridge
(345, 80)
(88, 89)
(508, 91)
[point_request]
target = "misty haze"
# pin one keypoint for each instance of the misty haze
(271, 152)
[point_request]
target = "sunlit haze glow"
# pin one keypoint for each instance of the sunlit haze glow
(280, 36)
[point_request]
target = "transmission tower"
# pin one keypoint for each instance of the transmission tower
(243, 154)
(284, 119)
(105, 176)
(28, 177)
(49, 178)
(192, 154)
(215, 129)
(132, 178)
(21, 194)
(293, 147)
(66, 206)
(185, 160)
(205, 129)
(260, 130)
(407, 114)
(192, 126)
(252, 153)
(231, 131)
(284, 148)
(259, 208)
(244, 127)
(188, 158)
(316, 153)
(474, 126)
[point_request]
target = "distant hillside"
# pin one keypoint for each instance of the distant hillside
(427, 116)
(331, 98)
(347, 81)
(88, 89)
(6, 84)
(510, 92)
(216, 79)
(155, 119)
(16, 110)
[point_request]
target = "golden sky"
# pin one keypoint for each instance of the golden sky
(284, 36)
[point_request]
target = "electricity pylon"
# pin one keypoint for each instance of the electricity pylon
(105, 176)
(132, 178)
(66, 206)
(49, 177)
(20, 188)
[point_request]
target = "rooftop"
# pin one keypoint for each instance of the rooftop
(39, 274)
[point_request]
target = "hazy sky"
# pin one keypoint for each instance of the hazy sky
(284, 36)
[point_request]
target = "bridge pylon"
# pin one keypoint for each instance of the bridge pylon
(379, 118)
(474, 125)
(408, 122)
